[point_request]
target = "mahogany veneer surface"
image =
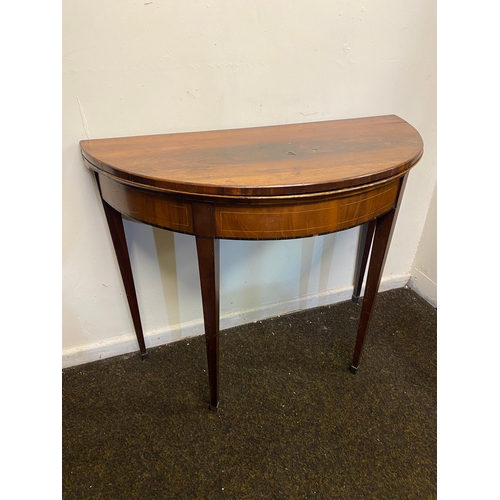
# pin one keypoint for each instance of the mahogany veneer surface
(276, 160)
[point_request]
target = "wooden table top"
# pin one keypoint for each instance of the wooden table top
(278, 160)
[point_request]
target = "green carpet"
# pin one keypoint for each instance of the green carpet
(292, 423)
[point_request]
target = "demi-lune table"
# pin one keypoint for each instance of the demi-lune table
(261, 183)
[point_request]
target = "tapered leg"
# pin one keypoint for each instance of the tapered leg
(384, 226)
(208, 262)
(115, 224)
(365, 243)
(383, 231)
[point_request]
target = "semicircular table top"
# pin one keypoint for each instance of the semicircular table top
(277, 160)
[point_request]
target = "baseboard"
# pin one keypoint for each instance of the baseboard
(126, 344)
(424, 286)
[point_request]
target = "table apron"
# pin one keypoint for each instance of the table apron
(256, 219)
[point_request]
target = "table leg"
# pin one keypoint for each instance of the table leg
(383, 231)
(384, 226)
(208, 262)
(115, 224)
(365, 243)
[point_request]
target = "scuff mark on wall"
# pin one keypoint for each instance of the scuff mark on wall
(308, 114)
(99, 48)
(84, 120)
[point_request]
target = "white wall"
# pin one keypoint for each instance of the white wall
(424, 269)
(146, 67)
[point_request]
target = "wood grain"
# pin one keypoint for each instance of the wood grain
(151, 207)
(262, 161)
(303, 218)
(260, 219)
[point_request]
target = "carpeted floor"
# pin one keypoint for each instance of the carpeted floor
(292, 423)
